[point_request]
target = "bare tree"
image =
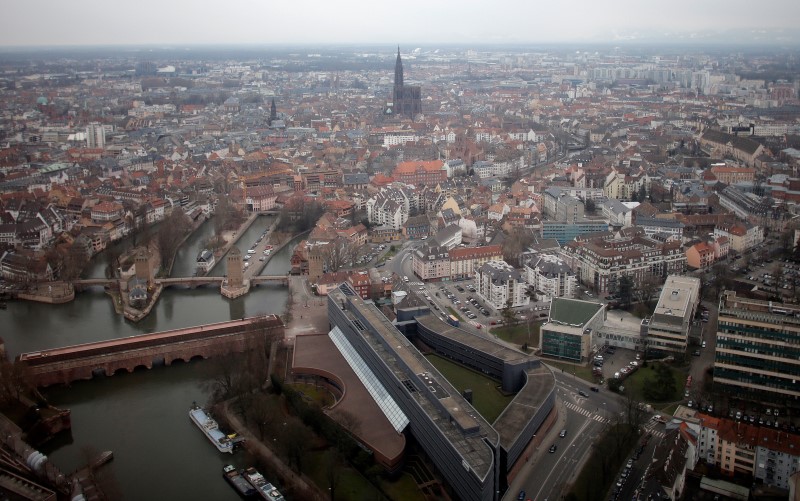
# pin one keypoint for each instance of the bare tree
(341, 253)
(15, 380)
(170, 235)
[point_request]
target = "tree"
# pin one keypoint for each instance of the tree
(170, 235)
(625, 290)
(589, 206)
(661, 385)
(341, 253)
(15, 380)
(642, 193)
(518, 240)
(508, 313)
(297, 439)
(649, 287)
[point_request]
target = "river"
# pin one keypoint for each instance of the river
(143, 417)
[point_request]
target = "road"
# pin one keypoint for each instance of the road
(584, 418)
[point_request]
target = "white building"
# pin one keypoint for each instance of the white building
(550, 277)
(388, 208)
(668, 328)
(497, 282)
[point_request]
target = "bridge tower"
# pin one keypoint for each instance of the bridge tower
(144, 271)
(235, 278)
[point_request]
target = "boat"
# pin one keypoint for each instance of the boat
(264, 489)
(235, 478)
(211, 429)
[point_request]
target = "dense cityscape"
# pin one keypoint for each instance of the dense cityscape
(389, 272)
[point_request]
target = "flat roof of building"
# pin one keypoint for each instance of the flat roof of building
(464, 427)
(527, 402)
(572, 312)
(317, 354)
(676, 296)
(478, 343)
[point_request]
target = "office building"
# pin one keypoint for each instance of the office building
(758, 349)
(472, 456)
(668, 327)
(569, 330)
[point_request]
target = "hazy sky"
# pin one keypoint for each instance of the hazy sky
(408, 22)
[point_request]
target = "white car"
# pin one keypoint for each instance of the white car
(405, 278)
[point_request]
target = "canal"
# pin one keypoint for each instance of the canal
(142, 417)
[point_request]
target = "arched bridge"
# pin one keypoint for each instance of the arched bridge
(82, 361)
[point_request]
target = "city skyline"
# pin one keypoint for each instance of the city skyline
(417, 23)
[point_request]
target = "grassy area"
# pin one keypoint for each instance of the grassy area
(319, 395)
(636, 381)
(518, 334)
(486, 398)
(402, 488)
(350, 484)
(607, 458)
(581, 371)
(452, 311)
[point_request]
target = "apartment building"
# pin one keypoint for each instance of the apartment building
(431, 262)
(550, 277)
(741, 236)
(758, 349)
(419, 173)
(600, 260)
(769, 455)
(389, 208)
(465, 260)
(668, 327)
(498, 282)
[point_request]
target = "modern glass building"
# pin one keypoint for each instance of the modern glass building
(472, 456)
(758, 349)
(569, 330)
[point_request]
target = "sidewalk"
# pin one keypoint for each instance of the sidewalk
(548, 433)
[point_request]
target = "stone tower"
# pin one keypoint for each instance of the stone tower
(235, 278)
(142, 266)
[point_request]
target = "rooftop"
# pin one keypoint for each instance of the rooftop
(465, 429)
(572, 311)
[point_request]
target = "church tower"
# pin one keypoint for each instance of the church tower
(273, 112)
(398, 79)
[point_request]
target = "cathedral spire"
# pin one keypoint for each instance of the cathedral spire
(398, 71)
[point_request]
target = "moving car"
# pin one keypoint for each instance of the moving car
(553, 448)
(563, 433)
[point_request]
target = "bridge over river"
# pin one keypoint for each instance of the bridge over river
(83, 361)
(180, 281)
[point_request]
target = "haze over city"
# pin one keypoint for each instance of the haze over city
(94, 22)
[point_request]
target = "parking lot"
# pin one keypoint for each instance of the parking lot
(462, 297)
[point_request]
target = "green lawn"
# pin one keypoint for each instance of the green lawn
(452, 311)
(635, 383)
(320, 395)
(581, 371)
(403, 488)
(518, 334)
(350, 483)
(486, 398)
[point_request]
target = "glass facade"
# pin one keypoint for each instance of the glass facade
(389, 407)
(561, 345)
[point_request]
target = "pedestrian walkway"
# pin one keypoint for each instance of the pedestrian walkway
(650, 428)
(584, 412)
